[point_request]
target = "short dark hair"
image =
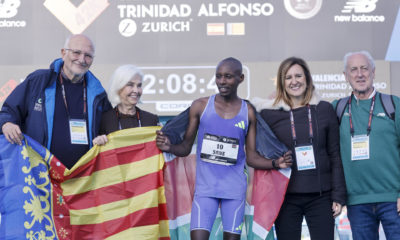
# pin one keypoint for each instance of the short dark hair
(235, 62)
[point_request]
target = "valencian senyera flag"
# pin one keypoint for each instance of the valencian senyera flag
(113, 192)
(123, 190)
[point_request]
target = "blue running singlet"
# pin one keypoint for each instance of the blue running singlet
(220, 171)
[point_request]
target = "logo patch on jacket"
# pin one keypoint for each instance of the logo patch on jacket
(38, 105)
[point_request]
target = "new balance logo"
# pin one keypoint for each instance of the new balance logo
(359, 6)
(8, 8)
(240, 125)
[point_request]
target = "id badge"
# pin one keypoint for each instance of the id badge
(219, 149)
(78, 132)
(305, 158)
(359, 147)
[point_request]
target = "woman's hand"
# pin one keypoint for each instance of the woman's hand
(100, 140)
(336, 209)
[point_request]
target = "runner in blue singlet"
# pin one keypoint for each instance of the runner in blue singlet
(225, 124)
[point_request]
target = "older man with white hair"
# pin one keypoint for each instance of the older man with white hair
(370, 150)
(59, 107)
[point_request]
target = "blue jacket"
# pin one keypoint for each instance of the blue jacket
(31, 104)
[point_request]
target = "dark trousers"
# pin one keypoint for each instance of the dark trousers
(317, 210)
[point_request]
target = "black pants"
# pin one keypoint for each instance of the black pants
(317, 210)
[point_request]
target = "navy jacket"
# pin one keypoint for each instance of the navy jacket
(266, 142)
(31, 104)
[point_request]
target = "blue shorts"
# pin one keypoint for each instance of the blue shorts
(204, 211)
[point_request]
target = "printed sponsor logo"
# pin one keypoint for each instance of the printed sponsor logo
(240, 125)
(172, 106)
(127, 27)
(9, 9)
(76, 19)
(357, 6)
(303, 9)
(356, 11)
(166, 18)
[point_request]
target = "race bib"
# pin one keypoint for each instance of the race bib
(359, 147)
(305, 157)
(219, 149)
(78, 132)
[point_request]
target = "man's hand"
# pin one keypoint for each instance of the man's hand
(163, 142)
(286, 160)
(12, 132)
(398, 206)
(100, 140)
(336, 209)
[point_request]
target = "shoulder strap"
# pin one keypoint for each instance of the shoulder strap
(340, 106)
(388, 105)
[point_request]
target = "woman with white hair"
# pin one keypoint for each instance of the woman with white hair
(124, 94)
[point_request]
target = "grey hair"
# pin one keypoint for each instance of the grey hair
(66, 44)
(121, 76)
(365, 53)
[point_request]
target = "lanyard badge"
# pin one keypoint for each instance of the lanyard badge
(360, 143)
(78, 131)
(77, 127)
(359, 147)
(304, 154)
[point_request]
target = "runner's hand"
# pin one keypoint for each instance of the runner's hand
(286, 160)
(163, 142)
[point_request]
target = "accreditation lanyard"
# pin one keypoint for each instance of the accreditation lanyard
(304, 154)
(65, 98)
(77, 127)
(119, 122)
(371, 111)
(309, 124)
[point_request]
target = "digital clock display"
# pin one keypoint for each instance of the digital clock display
(171, 89)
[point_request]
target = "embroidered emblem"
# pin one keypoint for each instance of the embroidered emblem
(38, 105)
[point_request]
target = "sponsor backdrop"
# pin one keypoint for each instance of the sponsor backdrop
(178, 43)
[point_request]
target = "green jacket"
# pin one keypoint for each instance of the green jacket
(376, 179)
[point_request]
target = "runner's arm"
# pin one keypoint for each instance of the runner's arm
(183, 149)
(254, 159)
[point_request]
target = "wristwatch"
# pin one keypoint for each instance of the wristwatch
(276, 167)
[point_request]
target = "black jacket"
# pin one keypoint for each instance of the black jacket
(328, 175)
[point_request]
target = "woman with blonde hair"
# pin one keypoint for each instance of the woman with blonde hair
(124, 94)
(309, 128)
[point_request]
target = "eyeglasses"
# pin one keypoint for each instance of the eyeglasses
(77, 54)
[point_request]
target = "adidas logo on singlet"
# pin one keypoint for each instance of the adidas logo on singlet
(240, 125)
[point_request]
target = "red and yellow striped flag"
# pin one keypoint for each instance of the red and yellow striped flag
(114, 192)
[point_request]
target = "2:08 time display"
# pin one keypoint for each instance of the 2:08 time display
(171, 89)
(187, 83)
